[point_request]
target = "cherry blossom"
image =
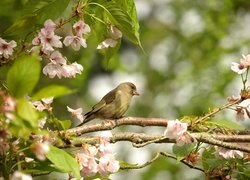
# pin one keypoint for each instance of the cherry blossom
(238, 68)
(75, 42)
(109, 42)
(6, 48)
(81, 28)
(108, 163)
(86, 160)
(43, 105)
(60, 71)
(228, 153)
(53, 70)
(76, 113)
(115, 32)
(57, 58)
(47, 38)
(175, 129)
(71, 70)
(245, 61)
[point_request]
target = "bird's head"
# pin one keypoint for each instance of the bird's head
(128, 87)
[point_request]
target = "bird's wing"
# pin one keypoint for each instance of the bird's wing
(108, 98)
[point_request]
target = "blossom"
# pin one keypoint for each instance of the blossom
(115, 32)
(6, 48)
(86, 160)
(53, 70)
(228, 153)
(71, 70)
(76, 113)
(43, 105)
(75, 41)
(47, 38)
(81, 28)
(109, 42)
(57, 58)
(175, 129)
(67, 70)
(238, 68)
(108, 163)
(40, 149)
(20, 176)
(245, 61)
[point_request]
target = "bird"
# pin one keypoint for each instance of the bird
(114, 104)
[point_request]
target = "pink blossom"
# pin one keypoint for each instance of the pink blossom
(76, 113)
(245, 61)
(238, 68)
(105, 136)
(81, 28)
(115, 32)
(6, 48)
(87, 162)
(49, 40)
(228, 153)
(53, 70)
(20, 176)
(71, 70)
(9, 106)
(50, 25)
(42, 105)
(108, 163)
(175, 129)
(40, 149)
(75, 41)
(57, 58)
(109, 42)
(185, 138)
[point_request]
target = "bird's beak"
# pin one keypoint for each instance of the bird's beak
(135, 93)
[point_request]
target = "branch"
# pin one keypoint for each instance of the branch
(141, 139)
(155, 158)
(216, 110)
(111, 124)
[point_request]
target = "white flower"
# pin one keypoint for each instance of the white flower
(6, 49)
(228, 153)
(57, 58)
(238, 68)
(76, 113)
(53, 70)
(115, 32)
(81, 28)
(109, 42)
(75, 41)
(245, 61)
(175, 129)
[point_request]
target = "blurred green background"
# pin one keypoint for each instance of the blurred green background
(185, 70)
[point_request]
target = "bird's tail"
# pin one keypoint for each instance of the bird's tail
(87, 119)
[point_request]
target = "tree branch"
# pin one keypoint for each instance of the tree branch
(111, 124)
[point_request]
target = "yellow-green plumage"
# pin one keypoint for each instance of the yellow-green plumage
(114, 104)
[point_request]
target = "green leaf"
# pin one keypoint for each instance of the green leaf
(226, 124)
(65, 124)
(183, 150)
(122, 13)
(23, 75)
(206, 155)
(52, 91)
(27, 112)
(63, 162)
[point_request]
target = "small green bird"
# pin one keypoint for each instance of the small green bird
(114, 104)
